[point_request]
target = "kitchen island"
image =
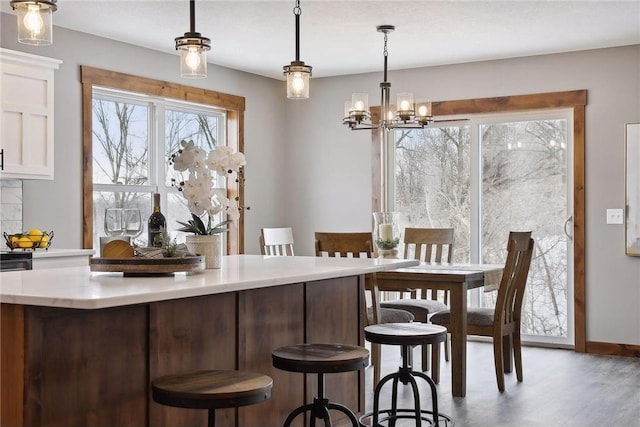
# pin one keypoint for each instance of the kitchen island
(80, 348)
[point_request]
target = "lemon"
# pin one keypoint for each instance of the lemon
(45, 241)
(14, 240)
(35, 235)
(25, 242)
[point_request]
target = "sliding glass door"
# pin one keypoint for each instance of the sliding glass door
(485, 177)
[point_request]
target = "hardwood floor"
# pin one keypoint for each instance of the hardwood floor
(561, 388)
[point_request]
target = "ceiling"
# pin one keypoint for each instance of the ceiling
(339, 37)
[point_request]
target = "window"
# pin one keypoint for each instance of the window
(521, 184)
(443, 140)
(131, 127)
(133, 139)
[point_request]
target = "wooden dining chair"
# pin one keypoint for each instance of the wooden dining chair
(276, 241)
(425, 245)
(502, 322)
(359, 245)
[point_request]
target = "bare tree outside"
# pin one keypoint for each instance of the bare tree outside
(523, 187)
(125, 157)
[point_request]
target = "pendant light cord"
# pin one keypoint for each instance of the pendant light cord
(297, 11)
(192, 4)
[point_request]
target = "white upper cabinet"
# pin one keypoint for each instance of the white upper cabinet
(26, 128)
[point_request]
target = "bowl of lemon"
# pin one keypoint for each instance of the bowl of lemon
(29, 240)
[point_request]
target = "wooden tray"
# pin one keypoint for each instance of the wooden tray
(139, 266)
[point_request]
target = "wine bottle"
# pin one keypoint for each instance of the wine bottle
(156, 223)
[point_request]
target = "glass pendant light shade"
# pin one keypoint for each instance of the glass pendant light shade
(359, 103)
(193, 49)
(405, 106)
(193, 61)
(35, 21)
(423, 113)
(357, 111)
(297, 80)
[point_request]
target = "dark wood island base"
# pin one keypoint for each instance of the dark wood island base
(77, 367)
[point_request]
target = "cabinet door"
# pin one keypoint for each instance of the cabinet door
(26, 125)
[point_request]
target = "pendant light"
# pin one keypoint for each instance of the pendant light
(35, 22)
(297, 72)
(193, 48)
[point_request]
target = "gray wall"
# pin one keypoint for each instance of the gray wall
(330, 185)
(307, 170)
(57, 205)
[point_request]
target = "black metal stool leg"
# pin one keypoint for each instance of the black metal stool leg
(319, 409)
(434, 396)
(348, 412)
(211, 418)
(296, 412)
(376, 396)
(416, 401)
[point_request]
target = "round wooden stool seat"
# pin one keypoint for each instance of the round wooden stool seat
(212, 389)
(414, 333)
(320, 358)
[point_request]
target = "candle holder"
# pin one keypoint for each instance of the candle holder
(386, 233)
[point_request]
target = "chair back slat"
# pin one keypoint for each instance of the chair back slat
(276, 241)
(514, 277)
(353, 245)
(437, 244)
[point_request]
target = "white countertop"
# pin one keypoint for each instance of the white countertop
(78, 287)
(53, 253)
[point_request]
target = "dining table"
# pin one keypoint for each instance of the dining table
(457, 278)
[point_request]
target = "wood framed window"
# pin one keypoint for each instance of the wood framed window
(227, 108)
(575, 100)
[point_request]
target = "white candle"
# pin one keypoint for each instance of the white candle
(386, 232)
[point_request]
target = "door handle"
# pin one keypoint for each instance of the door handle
(567, 222)
(2, 159)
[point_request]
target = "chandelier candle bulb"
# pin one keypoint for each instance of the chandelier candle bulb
(424, 110)
(405, 102)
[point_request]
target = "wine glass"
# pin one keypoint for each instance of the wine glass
(132, 222)
(113, 221)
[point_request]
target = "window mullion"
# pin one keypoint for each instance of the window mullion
(157, 132)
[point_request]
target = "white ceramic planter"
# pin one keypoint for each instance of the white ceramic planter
(210, 247)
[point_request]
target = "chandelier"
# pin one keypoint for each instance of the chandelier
(404, 115)
(35, 21)
(193, 50)
(297, 72)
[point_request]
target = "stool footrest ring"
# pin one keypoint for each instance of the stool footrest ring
(409, 414)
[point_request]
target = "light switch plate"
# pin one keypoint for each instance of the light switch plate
(614, 216)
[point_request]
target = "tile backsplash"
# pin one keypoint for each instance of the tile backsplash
(10, 206)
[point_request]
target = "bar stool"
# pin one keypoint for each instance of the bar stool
(212, 390)
(321, 359)
(406, 335)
